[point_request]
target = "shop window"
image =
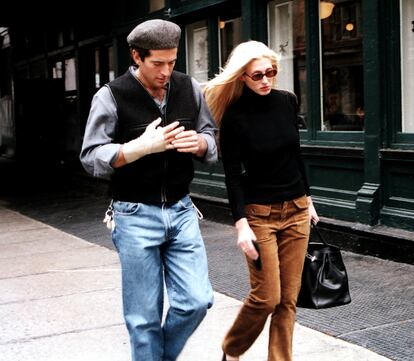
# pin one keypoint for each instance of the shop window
(407, 65)
(4, 38)
(230, 36)
(287, 39)
(111, 63)
(70, 75)
(59, 39)
(197, 50)
(5, 66)
(66, 70)
(156, 5)
(104, 66)
(342, 66)
(97, 73)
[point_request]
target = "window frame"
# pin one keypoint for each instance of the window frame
(314, 134)
(396, 138)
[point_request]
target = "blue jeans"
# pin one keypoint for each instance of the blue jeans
(158, 243)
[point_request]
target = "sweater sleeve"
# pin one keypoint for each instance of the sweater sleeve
(98, 147)
(231, 157)
(205, 125)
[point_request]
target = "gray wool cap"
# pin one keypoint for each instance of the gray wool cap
(155, 34)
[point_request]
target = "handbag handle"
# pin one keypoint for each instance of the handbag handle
(313, 225)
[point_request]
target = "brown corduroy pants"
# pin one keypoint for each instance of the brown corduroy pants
(282, 231)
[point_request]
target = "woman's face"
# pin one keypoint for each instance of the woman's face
(257, 68)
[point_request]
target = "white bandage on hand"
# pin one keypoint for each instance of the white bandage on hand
(151, 141)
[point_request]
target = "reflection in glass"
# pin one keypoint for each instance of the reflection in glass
(104, 65)
(230, 36)
(342, 68)
(58, 70)
(197, 50)
(97, 70)
(70, 74)
(287, 38)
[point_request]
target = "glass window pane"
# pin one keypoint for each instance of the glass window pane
(287, 38)
(230, 36)
(111, 63)
(4, 38)
(70, 74)
(342, 66)
(197, 50)
(407, 65)
(58, 70)
(97, 70)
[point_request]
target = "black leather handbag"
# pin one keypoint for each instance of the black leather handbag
(324, 277)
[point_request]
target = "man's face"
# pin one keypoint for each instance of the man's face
(155, 71)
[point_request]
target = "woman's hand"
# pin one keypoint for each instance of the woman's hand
(245, 238)
(313, 216)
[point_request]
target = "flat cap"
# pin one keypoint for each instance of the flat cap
(155, 34)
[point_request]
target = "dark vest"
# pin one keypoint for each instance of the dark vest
(158, 177)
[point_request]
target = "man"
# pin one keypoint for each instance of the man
(143, 130)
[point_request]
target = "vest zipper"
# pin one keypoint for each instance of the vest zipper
(163, 187)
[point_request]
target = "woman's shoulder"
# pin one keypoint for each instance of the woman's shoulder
(236, 108)
(233, 114)
(283, 93)
(282, 96)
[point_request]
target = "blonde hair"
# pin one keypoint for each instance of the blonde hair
(223, 90)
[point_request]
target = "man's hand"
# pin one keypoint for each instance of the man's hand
(189, 141)
(155, 139)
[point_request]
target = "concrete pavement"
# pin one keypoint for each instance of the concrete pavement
(60, 300)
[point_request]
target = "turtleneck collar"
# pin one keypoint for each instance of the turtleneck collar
(250, 97)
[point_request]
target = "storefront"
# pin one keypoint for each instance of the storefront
(350, 62)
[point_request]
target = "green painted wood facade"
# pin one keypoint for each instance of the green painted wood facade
(362, 178)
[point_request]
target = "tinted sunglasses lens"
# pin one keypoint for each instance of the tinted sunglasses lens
(257, 77)
(269, 74)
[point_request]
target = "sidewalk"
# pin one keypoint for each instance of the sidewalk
(60, 300)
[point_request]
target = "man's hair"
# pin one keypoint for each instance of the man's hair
(143, 53)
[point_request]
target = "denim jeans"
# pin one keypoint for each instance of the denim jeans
(156, 244)
(282, 231)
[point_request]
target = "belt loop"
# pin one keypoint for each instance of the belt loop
(199, 214)
(284, 210)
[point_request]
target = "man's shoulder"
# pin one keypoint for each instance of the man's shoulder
(180, 76)
(120, 79)
(182, 82)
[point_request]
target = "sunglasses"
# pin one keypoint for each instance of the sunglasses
(259, 76)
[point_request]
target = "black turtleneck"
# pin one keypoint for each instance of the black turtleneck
(260, 150)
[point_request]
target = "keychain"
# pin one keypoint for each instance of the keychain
(109, 217)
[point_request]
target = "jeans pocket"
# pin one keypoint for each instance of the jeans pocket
(125, 208)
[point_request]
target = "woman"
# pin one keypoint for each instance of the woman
(268, 193)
